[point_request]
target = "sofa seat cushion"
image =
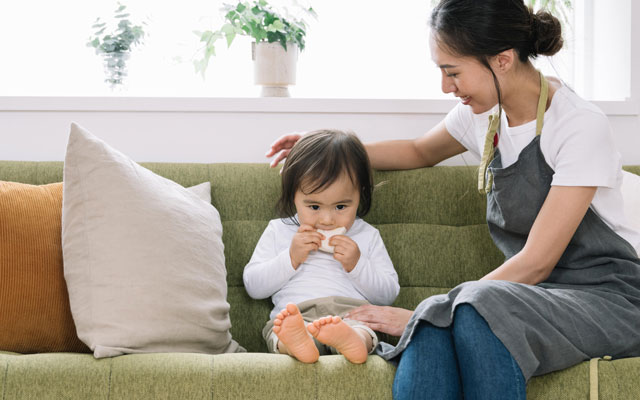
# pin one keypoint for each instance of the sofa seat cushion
(191, 376)
(257, 376)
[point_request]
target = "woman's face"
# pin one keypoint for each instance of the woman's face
(466, 78)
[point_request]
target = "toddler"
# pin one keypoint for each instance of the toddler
(320, 260)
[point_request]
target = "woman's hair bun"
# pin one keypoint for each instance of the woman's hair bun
(546, 33)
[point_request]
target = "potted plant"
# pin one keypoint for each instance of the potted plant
(115, 45)
(278, 38)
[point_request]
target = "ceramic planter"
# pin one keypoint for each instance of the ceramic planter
(274, 67)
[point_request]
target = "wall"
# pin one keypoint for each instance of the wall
(232, 130)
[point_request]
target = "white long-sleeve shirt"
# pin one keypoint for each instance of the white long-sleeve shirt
(271, 274)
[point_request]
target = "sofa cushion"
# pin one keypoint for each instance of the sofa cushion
(34, 304)
(143, 257)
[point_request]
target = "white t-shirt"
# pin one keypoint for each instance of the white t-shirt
(576, 143)
(271, 274)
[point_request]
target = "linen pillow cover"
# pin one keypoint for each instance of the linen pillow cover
(143, 257)
(34, 304)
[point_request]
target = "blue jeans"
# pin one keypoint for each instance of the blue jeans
(465, 360)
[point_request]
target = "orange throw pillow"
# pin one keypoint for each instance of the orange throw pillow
(35, 315)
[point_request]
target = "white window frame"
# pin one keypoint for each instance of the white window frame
(629, 107)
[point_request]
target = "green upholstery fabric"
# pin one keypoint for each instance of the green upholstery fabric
(432, 223)
(619, 379)
(55, 376)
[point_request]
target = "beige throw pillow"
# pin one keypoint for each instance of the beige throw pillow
(143, 257)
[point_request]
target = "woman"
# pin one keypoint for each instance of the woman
(569, 289)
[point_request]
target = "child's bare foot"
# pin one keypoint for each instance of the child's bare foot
(290, 330)
(334, 332)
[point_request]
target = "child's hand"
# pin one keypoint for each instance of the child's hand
(346, 251)
(304, 241)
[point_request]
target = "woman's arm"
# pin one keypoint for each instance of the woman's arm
(426, 151)
(436, 145)
(562, 211)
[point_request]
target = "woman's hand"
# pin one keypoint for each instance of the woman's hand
(390, 320)
(283, 145)
(346, 251)
(305, 240)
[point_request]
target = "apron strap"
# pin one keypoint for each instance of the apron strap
(542, 103)
(593, 376)
(487, 154)
(492, 131)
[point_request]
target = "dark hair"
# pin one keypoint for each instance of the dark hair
(317, 160)
(485, 28)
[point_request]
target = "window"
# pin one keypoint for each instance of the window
(356, 49)
(596, 58)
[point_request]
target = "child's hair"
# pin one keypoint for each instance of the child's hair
(317, 160)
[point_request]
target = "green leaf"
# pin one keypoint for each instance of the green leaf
(269, 18)
(211, 51)
(228, 29)
(277, 25)
(229, 32)
(205, 36)
(241, 7)
(230, 38)
(231, 16)
(214, 37)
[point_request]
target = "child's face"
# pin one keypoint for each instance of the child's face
(331, 208)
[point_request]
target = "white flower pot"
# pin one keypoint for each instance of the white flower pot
(274, 67)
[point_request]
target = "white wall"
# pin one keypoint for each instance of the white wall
(232, 130)
(240, 130)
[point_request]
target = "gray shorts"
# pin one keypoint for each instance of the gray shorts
(314, 309)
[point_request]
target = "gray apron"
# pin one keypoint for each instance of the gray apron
(588, 307)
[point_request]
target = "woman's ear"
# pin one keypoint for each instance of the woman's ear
(503, 61)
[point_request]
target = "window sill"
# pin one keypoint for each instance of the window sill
(257, 105)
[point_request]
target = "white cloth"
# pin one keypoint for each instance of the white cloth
(271, 274)
(576, 143)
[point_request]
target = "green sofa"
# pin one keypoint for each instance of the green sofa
(432, 222)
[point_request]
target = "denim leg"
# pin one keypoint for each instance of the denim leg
(428, 368)
(487, 369)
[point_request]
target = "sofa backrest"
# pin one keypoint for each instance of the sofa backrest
(432, 221)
